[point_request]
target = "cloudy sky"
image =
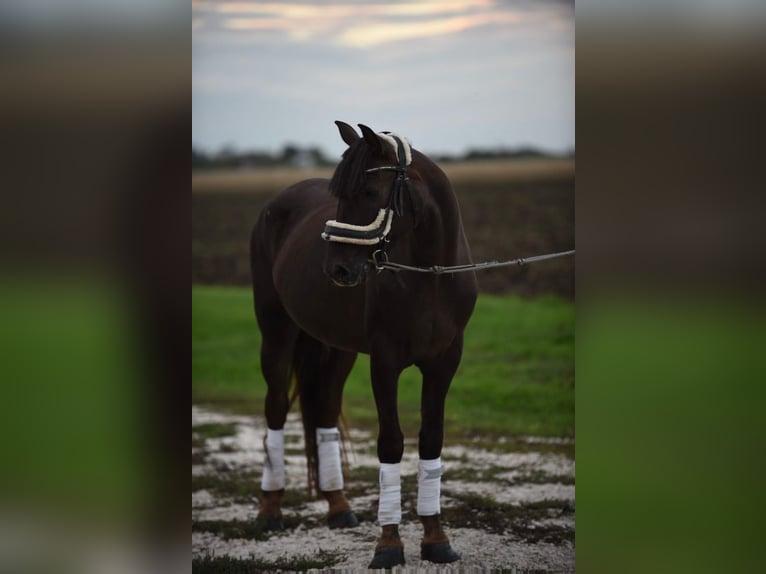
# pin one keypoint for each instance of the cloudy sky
(449, 75)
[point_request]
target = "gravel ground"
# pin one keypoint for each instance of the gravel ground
(507, 504)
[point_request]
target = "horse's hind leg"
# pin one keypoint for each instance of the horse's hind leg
(336, 370)
(322, 373)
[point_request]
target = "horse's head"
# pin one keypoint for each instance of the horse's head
(372, 186)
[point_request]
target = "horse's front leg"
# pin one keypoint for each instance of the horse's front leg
(437, 376)
(385, 371)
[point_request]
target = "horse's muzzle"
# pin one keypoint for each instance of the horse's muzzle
(347, 275)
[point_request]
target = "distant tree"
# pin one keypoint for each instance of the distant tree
(289, 153)
(229, 157)
(200, 159)
(504, 153)
(318, 156)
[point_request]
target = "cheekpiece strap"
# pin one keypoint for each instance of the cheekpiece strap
(402, 181)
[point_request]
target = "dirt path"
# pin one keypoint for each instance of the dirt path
(506, 504)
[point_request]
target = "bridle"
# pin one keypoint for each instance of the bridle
(377, 231)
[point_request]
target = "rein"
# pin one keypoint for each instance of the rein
(377, 231)
(381, 262)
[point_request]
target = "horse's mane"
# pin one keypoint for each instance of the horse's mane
(349, 176)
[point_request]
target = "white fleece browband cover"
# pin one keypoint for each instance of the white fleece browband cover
(274, 468)
(390, 505)
(429, 486)
(328, 451)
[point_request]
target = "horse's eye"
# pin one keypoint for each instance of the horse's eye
(369, 192)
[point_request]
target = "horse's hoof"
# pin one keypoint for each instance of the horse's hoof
(439, 552)
(269, 523)
(342, 519)
(387, 557)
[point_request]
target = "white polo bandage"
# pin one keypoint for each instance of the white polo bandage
(328, 451)
(390, 505)
(274, 468)
(429, 486)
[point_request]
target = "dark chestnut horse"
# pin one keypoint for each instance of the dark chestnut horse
(319, 301)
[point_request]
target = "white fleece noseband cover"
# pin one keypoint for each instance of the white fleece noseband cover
(328, 451)
(363, 234)
(274, 468)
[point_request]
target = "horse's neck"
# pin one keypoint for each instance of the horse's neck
(438, 237)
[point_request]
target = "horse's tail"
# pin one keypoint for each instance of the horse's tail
(307, 365)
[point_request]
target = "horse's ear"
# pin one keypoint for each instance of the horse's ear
(347, 133)
(372, 139)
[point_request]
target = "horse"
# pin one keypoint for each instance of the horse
(321, 297)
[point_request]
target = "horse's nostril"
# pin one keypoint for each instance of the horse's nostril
(340, 271)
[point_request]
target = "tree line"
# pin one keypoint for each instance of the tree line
(292, 155)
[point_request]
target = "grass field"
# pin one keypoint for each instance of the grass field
(516, 376)
(268, 180)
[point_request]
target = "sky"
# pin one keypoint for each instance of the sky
(448, 75)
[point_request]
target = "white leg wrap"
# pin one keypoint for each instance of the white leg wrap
(390, 505)
(274, 467)
(429, 486)
(328, 450)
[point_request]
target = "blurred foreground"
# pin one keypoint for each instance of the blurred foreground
(94, 113)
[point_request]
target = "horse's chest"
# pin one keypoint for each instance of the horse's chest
(429, 331)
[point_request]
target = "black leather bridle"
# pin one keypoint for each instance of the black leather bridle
(377, 231)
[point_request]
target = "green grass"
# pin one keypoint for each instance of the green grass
(516, 520)
(72, 417)
(516, 376)
(215, 430)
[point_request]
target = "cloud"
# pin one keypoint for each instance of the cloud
(449, 74)
(350, 10)
(258, 23)
(359, 25)
(373, 34)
